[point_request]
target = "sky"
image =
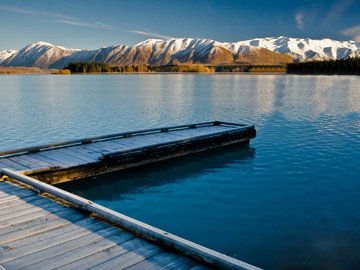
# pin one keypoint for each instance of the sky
(92, 24)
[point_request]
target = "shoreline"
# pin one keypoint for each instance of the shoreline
(37, 71)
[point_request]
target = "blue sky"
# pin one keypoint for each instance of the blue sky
(93, 24)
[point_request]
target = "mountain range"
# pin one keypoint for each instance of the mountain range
(175, 51)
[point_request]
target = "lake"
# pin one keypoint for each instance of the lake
(290, 200)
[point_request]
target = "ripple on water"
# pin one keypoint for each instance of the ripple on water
(289, 201)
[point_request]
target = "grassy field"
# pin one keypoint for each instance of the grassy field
(23, 70)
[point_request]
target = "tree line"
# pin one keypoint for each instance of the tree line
(96, 67)
(349, 66)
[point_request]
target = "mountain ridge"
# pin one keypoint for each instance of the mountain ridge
(174, 51)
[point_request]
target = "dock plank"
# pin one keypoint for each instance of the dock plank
(63, 158)
(38, 229)
(33, 159)
(44, 256)
(13, 165)
(49, 159)
(86, 250)
(24, 162)
(129, 258)
(34, 243)
(33, 220)
(167, 261)
(77, 154)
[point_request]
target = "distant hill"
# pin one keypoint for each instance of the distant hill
(259, 51)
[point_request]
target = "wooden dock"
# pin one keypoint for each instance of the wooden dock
(70, 160)
(60, 230)
(44, 227)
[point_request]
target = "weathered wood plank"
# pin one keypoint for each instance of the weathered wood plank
(84, 251)
(93, 148)
(23, 162)
(23, 211)
(77, 154)
(13, 205)
(40, 228)
(33, 220)
(13, 165)
(36, 205)
(36, 258)
(106, 254)
(69, 154)
(38, 161)
(50, 239)
(48, 159)
(3, 165)
(13, 196)
(53, 237)
(27, 215)
(163, 261)
(86, 151)
(129, 258)
(63, 158)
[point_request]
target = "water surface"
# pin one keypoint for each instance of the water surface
(288, 201)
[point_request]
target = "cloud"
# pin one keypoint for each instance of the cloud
(148, 34)
(83, 24)
(353, 32)
(299, 19)
(57, 17)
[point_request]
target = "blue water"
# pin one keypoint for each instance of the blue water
(290, 200)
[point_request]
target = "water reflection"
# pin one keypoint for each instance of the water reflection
(113, 186)
(43, 109)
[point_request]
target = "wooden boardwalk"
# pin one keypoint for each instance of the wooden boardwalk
(77, 159)
(38, 233)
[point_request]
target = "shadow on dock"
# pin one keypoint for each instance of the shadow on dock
(157, 174)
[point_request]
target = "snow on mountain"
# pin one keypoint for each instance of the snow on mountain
(39, 54)
(4, 55)
(170, 52)
(305, 49)
(186, 51)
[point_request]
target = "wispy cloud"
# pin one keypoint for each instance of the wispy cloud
(57, 17)
(353, 32)
(77, 22)
(299, 19)
(148, 34)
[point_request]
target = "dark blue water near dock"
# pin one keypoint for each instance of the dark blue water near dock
(290, 200)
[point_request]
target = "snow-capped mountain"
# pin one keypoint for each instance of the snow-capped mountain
(186, 51)
(4, 55)
(39, 54)
(175, 51)
(305, 49)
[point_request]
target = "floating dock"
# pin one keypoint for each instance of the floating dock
(70, 160)
(44, 227)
